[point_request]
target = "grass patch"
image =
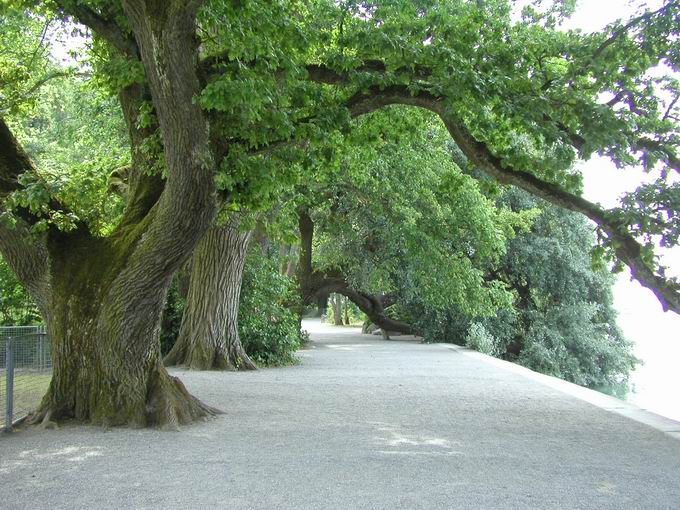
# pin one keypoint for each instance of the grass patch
(29, 389)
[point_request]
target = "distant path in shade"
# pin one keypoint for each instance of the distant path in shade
(361, 423)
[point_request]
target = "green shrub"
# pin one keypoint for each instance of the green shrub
(16, 306)
(479, 339)
(268, 324)
(172, 318)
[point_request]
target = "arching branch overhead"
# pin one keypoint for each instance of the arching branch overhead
(626, 247)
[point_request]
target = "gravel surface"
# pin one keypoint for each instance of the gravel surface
(360, 423)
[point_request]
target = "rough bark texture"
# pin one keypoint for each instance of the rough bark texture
(208, 337)
(105, 348)
(102, 298)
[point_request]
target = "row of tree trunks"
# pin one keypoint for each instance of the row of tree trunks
(208, 337)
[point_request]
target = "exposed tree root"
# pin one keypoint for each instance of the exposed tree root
(168, 405)
(214, 358)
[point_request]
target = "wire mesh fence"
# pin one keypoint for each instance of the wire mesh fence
(25, 371)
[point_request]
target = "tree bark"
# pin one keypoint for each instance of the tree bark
(105, 346)
(208, 337)
(102, 298)
(337, 310)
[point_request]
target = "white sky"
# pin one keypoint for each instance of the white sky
(655, 333)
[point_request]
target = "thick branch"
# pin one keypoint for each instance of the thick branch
(627, 248)
(165, 34)
(25, 254)
(323, 74)
(13, 160)
(306, 226)
(144, 186)
(314, 283)
(106, 28)
(28, 258)
(373, 308)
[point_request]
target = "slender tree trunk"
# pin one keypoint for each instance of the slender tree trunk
(208, 337)
(337, 310)
(284, 252)
(321, 304)
(292, 262)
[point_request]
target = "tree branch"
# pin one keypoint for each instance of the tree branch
(313, 283)
(165, 34)
(25, 254)
(631, 24)
(106, 28)
(13, 160)
(627, 248)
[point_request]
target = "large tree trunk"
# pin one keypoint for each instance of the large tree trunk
(101, 300)
(104, 331)
(102, 297)
(208, 337)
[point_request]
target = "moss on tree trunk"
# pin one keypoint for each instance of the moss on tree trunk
(104, 332)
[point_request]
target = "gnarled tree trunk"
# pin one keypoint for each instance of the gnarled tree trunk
(101, 305)
(208, 337)
(102, 298)
(105, 349)
(103, 320)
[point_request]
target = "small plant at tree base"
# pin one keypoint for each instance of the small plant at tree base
(268, 326)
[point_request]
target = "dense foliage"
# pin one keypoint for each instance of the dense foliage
(245, 102)
(268, 324)
(563, 322)
(16, 306)
(402, 218)
(77, 137)
(401, 215)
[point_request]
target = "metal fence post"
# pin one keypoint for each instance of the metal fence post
(9, 384)
(41, 351)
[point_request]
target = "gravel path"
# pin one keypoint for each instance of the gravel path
(361, 423)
